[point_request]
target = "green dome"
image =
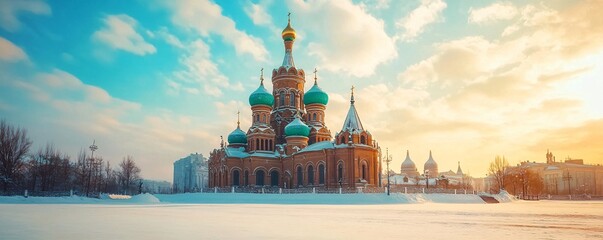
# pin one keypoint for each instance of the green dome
(237, 137)
(297, 128)
(316, 95)
(261, 96)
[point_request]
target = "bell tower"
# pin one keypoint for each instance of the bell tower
(288, 88)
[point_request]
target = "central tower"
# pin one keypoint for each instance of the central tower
(288, 88)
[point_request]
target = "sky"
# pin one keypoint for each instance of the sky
(159, 80)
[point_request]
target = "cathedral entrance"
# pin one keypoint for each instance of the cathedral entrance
(274, 178)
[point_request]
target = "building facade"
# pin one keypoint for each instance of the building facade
(288, 144)
(190, 173)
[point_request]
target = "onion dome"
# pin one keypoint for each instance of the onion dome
(316, 94)
(237, 137)
(288, 33)
(261, 96)
(431, 164)
(408, 164)
(297, 128)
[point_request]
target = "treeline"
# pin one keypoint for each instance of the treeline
(49, 171)
(515, 180)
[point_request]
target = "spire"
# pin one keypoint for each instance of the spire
(262, 76)
(238, 119)
(288, 35)
(315, 78)
(459, 171)
(352, 121)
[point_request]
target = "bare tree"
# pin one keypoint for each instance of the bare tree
(14, 145)
(128, 174)
(499, 171)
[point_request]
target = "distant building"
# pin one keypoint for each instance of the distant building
(409, 174)
(571, 176)
(190, 173)
(152, 186)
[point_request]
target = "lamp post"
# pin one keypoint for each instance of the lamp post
(93, 148)
(426, 178)
(388, 159)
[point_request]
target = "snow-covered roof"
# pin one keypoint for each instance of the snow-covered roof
(319, 146)
(236, 152)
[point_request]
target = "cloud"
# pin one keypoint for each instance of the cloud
(494, 12)
(258, 14)
(206, 18)
(9, 52)
(427, 13)
(9, 11)
(344, 37)
(199, 74)
(119, 32)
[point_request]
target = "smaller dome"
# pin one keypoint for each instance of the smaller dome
(261, 96)
(431, 164)
(288, 33)
(408, 164)
(316, 95)
(297, 128)
(237, 137)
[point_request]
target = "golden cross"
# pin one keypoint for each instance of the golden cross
(238, 117)
(352, 89)
(289, 17)
(315, 75)
(262, 76)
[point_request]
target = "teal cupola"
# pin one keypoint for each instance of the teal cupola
(297, 128)
(261, 96)
(315, 94)
(237, 136)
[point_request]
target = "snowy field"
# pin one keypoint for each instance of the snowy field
(192, 217)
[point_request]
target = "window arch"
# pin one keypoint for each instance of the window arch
(246, 178)
(274, 178)
(314, 116)
(310, 175)
(362, 139)
(264, 118)
(321, 174)
(292, 99)
(364, 172)
(340, 173)
(300, 176)
(259, 178)
(281, 99)
(235, 178)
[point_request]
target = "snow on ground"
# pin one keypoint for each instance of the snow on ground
(515, 220)
(248, 198)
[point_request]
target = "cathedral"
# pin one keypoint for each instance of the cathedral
(288, 144)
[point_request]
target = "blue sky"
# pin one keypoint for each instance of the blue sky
(161, 79)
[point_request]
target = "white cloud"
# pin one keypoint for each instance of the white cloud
(119, 32)
(206, 18)
(415, 23)
(356, 46)
(496, 11)
(9, 11)
(10, 52)
(200, 73)
(258, 14)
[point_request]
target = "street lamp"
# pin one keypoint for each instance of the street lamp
(427, 178)
(388, 159)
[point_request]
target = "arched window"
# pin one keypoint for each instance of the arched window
(281, 99)
(257, 117)
(264, 118)
(310, 175)
(300, 176)
(292, 100)
(321, 174)
(405, 179)
(363, 171)
(342, 139)
(340, 173)
(273, 178)
(259, 178)
(270, 145)
(246, 178)
(362, 140)
(314, 117)
(257, 144)
(235, 178)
